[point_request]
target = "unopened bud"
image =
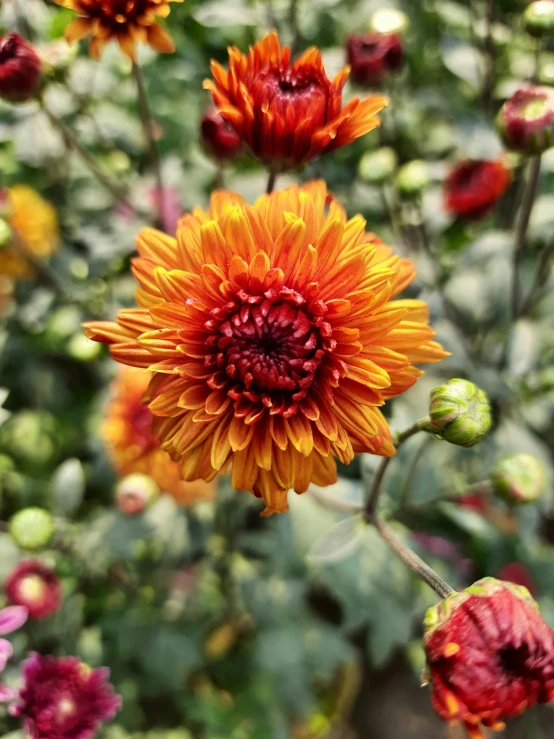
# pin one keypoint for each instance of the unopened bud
(135, 493)
(459, 413)
(518, 479)
(377, 166)
(20, 69)
(32, 528)
(526, 121)
(538, 19)
(412, 178)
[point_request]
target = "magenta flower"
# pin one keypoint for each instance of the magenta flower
(36, 586)
(64, 698)
(11, 619)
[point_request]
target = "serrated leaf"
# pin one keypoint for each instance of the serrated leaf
(339, 542)
(68, 487)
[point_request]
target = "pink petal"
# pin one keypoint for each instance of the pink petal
(12, 618)
(6, 651)
(7, 694)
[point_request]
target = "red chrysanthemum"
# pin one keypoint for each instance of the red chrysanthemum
(272, 339)
(220, 140)
(36, 586)
(64, 698)
(20, 68)
(373, 56)
(473, 187)
(490, 655)
(132, 446)
(288, 113)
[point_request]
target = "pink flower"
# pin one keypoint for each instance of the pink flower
(64, 698)
(11, 619)
(37, 587)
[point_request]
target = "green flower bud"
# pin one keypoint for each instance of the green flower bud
(376, 167)
(83, 349)
(389, 20)
(538, 19)
(412, 178)
(32, 528)
(518, 479)
(135, 493)
(459, 413)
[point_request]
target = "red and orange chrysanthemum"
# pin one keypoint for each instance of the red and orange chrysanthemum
(272, 339)
(132, 446)
(126, 21)
(288, 113)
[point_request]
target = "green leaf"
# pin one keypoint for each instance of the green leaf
(341, 541)
(463, 60)
(68, 487)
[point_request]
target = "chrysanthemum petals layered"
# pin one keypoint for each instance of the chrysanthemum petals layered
(128, 24)
(272, 339)
(288, 113)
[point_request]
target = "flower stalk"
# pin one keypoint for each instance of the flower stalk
(149, 127)
(118, 192)
(271, 182)
(411, 559)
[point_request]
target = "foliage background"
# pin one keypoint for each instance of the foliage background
(214, 622)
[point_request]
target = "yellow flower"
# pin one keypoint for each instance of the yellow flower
(124, 21)
(34, 224)
(272, 339)
(133, 448)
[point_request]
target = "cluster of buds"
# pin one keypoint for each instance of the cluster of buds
(20, 69)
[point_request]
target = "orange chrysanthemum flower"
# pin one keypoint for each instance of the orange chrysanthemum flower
(288, 113)
(125, 21)
(272, 339)
(35, 230)
(133, 447)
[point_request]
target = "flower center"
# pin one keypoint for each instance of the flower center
(295, 94)
(534, 109)
(31, 588)
(66, 708)
(270, 347)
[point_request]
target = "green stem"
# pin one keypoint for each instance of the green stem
(483, 487)
(411, 559)
(522, 226)
(271, 182)
(375, 489)
(119, 193)
(488, 88)
(149, 127)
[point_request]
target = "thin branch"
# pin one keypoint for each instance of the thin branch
(411, 559)
(149, 127)
(118, 192)
(488, 88)
(541, 277)
(522, 226)
(375, 489)
(271, 182)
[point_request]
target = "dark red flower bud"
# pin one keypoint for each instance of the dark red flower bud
(474, 186)
(64, 698)
(373, 56)
(490, 655)
(526, 120)
(37, 587)
(20, 69)
(220, 140)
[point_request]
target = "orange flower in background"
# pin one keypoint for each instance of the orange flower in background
(288, 113)
(134, 449)
(272, 339)
(124, 21)
(34, 225)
